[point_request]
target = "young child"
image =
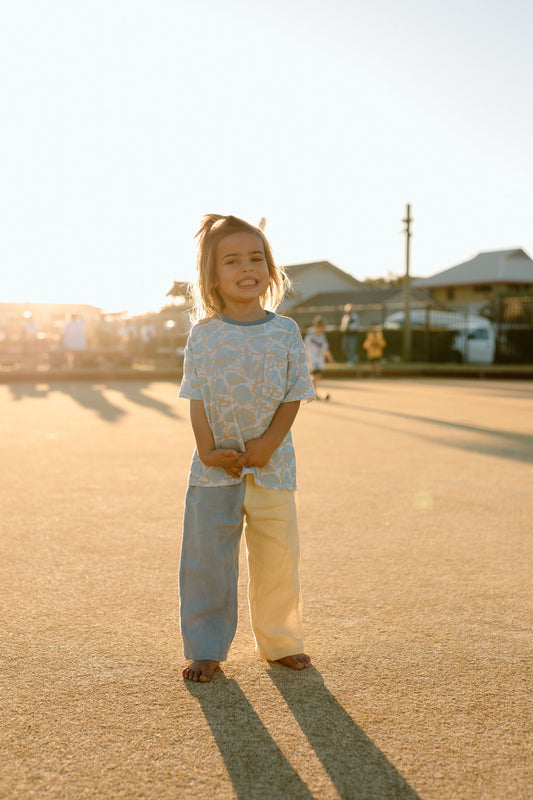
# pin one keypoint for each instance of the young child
(349, 330)
(245, 375)
(317, 351)
(374, 345)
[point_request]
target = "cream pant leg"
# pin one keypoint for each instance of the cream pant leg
(273, 550)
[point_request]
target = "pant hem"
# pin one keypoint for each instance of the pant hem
(206, 658)
(287, 651)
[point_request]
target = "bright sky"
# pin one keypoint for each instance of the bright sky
(124, 121)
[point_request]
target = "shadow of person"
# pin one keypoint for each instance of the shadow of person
(257, 767)
(92, 397)
(20, 390)
(134, 391)
(357, 768)
(517, 446)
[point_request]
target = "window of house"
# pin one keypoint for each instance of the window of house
(482, 288)
(450, 293)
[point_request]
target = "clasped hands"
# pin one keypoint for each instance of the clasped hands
(258, 452)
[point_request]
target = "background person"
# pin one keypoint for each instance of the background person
(374, 345)
(30, 334)
(350, 330)
(317, 351)
(74, 340)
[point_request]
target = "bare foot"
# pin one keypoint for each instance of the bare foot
(299, 661)
(200, 671)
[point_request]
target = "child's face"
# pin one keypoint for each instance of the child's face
(242, 274)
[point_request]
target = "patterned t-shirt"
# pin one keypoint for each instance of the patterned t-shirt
(242, 371)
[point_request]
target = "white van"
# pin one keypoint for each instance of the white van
(475, 341)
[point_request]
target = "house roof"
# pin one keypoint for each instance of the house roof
(294, 271)
(179, 289)
(487, 266)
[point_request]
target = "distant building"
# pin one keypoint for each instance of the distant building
(475, 280)
(316, 277)
(178, 310)
(179, 291)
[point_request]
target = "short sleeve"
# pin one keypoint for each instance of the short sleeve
(299, 384)
(190, 384)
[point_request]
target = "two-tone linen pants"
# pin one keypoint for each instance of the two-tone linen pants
(209, 569)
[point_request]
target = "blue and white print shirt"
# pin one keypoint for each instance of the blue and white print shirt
(242, 371)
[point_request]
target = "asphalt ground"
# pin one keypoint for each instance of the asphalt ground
(416, 501)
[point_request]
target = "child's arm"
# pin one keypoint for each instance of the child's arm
(205, 442)
(259, 451)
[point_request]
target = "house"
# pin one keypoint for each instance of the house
(179, 291)
(315, 277)
(473, 282)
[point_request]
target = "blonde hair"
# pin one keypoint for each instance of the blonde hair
(207, 301)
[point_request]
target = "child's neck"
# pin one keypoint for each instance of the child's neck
(243, 312)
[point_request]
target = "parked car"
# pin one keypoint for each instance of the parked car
(475, 339)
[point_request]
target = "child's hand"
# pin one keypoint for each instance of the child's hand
(258, 453)
(225, 458)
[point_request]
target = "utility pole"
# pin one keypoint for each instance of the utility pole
(407, 287)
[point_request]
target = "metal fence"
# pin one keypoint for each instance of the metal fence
(499, 332)
(513, 322)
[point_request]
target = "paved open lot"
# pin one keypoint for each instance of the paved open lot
(416, 501)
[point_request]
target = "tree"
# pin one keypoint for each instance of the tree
(392, 279)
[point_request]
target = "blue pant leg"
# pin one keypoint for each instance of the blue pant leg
(350, 344)
(209, 569)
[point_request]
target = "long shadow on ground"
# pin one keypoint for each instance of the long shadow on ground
(92, 396)
(257, 767)
(255, 763)
(491, 441)
(357, 768)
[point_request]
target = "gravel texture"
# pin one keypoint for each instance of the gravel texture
(416, 501)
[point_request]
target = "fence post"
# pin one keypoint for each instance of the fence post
(428, 335)
(407, 288)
